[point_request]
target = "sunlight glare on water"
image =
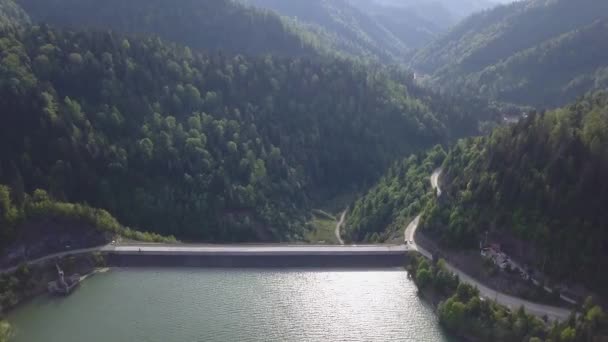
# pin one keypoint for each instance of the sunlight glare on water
(162, 305)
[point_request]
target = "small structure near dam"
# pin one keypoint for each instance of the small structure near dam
(63, 286)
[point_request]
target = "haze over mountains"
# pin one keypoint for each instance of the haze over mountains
(386, 30)
(358, 31)
(537, 52)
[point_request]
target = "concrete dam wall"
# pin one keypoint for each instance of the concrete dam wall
(258, 256)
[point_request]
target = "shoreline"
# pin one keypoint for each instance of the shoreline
(28, 281)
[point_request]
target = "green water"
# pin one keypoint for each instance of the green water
(164, 305)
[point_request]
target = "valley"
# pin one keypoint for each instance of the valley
(463, 142)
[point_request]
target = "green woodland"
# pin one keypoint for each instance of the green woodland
(395, 200)
(228, 26)
(200, 24)
(39, 206)
(212, 121)
(542, 181)
(463, 313)
(534, 53)
(204, 146)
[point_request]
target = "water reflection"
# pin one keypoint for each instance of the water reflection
(234, 305)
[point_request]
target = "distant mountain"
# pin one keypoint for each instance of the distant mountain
(439, 10)
(355, 31)
(414, 26)
(418, 22)
(200, 24)
(532, 52)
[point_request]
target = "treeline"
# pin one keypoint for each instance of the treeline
(540, 181)
(219, 25)
(200, 24)
(396, 199)
(203, 146)
(529, 52)
(39, 206)
(463, 313)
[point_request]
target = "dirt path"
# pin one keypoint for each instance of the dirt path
(339, 225)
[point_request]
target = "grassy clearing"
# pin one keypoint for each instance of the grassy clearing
(322, 228)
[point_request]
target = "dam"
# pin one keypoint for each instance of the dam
(254, 256)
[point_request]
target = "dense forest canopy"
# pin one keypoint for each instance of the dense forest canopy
(538, 52)
(540, 181)
(200, 24)
(204, 146)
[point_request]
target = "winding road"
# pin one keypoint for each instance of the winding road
(539, 310)
(339, 225)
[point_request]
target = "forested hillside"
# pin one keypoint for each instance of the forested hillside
(540, 182)
(399, 196)
(537, 52)
(200, 24)
(21, 219)
(413, 26)
(203, 146)
(554, 72)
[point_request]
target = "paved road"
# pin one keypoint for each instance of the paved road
(339, 225)
(237, 250)
(257, 249)
(539, 310)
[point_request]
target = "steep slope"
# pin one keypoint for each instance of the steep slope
(200, 24)
(398, 197)
(554, 72)
(538, 185)
(501, 40)
(443, 13)
(355, 32)
(38, 226)
(206, 147)
(412, 25)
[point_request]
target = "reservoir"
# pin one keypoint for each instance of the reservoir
(193, 304)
